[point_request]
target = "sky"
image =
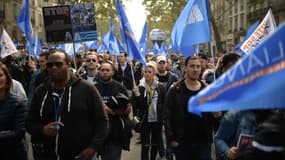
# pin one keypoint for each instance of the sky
(136, 15)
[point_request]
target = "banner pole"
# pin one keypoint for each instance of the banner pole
(213, 57)
(74, 55)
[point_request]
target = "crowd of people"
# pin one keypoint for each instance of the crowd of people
(88, 108)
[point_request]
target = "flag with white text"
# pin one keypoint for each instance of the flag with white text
(255, 82)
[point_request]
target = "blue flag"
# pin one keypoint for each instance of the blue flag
(192, 27)
(67, 47)
(34, 46)
(177, 31)
(163, 50)
(111, 44)
(197, 26)
(155, 48)
(24, 19)
(255, 82)
(91, 44)
(127, 34)
(143, 43)
(250, 30)
(102, 48)
(120, 45)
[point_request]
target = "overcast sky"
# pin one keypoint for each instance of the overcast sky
(135, 12)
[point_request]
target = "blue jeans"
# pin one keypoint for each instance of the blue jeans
(112, 152)
(193, 151)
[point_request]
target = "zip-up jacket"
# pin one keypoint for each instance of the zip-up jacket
(82, 113)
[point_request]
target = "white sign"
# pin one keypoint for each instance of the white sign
(7, 45)
(157, 35)
(265, 28)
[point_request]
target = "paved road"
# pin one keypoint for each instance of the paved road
(135, 149)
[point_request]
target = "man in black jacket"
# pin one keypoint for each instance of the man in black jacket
(66, 119)
(124, 74)
(118, 107)
(189, 134)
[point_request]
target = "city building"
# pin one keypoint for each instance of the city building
(233, 17)
(9, 11)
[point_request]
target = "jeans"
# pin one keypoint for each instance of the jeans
(112, 152)
(193, 152)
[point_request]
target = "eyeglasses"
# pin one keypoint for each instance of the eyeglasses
(91, 59)
(57, 64)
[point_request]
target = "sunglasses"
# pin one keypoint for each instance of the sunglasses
(91, 59)
(57, 64)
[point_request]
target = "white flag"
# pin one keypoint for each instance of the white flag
(7, 45)
(265, 28)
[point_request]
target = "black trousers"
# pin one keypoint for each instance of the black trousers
(151, 135)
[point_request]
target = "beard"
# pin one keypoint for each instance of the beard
(194, 77)
(106, 79)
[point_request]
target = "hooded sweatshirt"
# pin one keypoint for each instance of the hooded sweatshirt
(82, 113)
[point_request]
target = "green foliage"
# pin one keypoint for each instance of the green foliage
(163, 13)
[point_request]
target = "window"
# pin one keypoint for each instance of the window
(241, 20)
(241, 6)
(235, 23)
(230, 24)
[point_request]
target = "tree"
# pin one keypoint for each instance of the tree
(163, 13)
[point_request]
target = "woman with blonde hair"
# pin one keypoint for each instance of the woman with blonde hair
(149, 99)
(12, 115)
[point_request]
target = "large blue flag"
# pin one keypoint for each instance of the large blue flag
(24, 19)
(192, 27)
(255, 82)
(250, 30)
(127, 34)
(197, 26)
(177, 30)
(143, 43)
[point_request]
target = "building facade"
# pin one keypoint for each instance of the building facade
(233, 17)
(9, 11)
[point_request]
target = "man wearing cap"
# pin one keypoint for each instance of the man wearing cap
(164, 76)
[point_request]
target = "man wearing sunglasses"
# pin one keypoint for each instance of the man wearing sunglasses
(66, 119)
(91, 68)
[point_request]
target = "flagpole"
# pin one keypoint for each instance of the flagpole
(74, 55)
(213, 57)
(133, 76)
